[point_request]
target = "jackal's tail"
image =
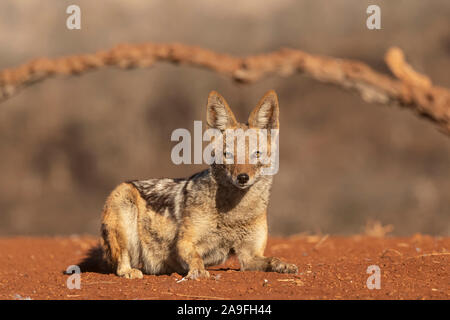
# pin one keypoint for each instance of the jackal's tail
(95, 261)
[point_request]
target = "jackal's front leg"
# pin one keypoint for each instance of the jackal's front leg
(189, 254)
(250, 252)
(268, 264)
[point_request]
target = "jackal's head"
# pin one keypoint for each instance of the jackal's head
(243, 153)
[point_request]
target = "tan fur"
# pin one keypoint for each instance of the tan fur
(160, 226)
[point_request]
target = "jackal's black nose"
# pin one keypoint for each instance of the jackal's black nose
(242, 178)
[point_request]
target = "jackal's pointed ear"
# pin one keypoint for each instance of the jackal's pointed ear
(266, 113)
(218, 113)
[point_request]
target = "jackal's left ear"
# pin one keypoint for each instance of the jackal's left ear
(218, 113)
(266, 113)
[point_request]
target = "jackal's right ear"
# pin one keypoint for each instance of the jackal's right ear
(218, 113)
(266, 113)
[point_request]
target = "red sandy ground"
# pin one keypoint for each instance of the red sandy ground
(329, 268)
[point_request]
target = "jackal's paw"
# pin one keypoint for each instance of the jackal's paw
(283, 267)
(197, 274)
(131, 274)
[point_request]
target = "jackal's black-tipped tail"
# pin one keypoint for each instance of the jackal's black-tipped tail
(95, 261)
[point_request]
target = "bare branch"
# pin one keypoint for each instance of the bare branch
(409, 89)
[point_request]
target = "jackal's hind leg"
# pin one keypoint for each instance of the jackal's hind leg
(125, 270)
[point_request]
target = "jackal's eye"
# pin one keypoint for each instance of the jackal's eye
(256, 154)
(227, 155)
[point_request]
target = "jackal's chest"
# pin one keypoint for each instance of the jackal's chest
(229, 228)
(217, 244)
(222, 238)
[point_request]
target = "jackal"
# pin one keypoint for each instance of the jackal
(160, 226)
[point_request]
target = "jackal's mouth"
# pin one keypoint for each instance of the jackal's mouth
(242, 185)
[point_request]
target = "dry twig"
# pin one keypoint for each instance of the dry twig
(385, 251)
(430, 255)
(200, 297)
(321, 241)
(376, 229)
(409, 88)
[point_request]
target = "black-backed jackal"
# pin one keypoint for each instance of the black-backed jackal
(160, 226)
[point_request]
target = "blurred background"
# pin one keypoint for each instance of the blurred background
(65, 143)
